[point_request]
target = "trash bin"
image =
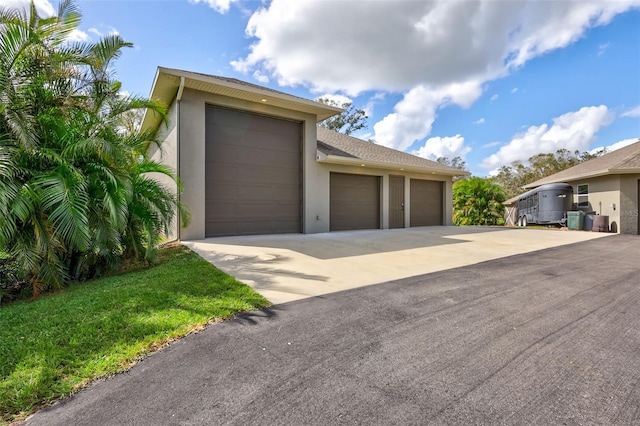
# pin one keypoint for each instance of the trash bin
(575, 220)
(588, 221)
(600, 224)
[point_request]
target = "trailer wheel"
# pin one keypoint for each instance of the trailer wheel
(524, 221)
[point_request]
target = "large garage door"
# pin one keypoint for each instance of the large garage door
(355, 202)
(253, 174)
(426, 203)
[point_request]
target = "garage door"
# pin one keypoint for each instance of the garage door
(253, 174)
(426, 203)
(355, 202)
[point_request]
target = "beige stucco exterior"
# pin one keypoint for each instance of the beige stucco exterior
(167, 154)
(184, 150)
(615, 196)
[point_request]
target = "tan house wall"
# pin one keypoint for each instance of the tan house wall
(315, 217)
(629, 216)
(604, 193)
(323, 171)
(192, 153)
(167, 153)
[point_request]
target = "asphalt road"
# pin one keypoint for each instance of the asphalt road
(546, 338)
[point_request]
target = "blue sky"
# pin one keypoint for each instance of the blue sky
(491, 81)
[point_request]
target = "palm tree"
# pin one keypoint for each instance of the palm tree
(77, 195)
(478, 201)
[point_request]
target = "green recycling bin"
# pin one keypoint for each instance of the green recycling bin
(575, 220)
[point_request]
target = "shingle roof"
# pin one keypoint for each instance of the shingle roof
(623, 160)
(242, 83)
(334, 144)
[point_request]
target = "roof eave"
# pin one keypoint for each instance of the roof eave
(167, 81)
(359, 162)
(587, 175)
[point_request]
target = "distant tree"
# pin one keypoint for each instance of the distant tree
(478, 201)
(512, 178)
(349, 121)
(456, 162)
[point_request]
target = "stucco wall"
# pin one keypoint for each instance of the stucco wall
(629, 216)
(192, 152)
(321, 192)
(167, 153)
(604, 193)
(315, 216)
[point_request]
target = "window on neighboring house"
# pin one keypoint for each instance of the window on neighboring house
(583, 195)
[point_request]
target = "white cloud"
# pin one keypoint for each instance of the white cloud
(411, 47)
(633, 112)
(494, 98)
(414, 115)
(450, 146)
(602, 48)
(333, 46)
(573, 131)
(101, 33)
(614, 146)
(78, 35)
(491, 144)
(337, 98)
(261, 77)
(479, 121)
(220, 6)
(514, 90)
(44, 7)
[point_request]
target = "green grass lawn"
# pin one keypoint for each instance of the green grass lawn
(55, 345)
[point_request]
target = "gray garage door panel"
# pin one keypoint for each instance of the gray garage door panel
(426, 203)
(354, 202)
(253, 174)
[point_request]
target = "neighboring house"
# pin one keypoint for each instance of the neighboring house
(251, 160)
(607, 185)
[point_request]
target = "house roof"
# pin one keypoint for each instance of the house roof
(168, 83)
(621, 161)
(337, 148)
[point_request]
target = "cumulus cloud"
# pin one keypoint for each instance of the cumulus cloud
(573, 131)
(394, 46)
(633, 112)
(494, 98)
(220, 6)
(44, 7)
(479, 121)
(449, 146)
(414, 115)
(614, 146)
(411, 47)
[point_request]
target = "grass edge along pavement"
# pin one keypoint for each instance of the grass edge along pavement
(56, 345)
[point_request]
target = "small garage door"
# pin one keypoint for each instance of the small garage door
(426, 203)
(253, 174)
(355, 202)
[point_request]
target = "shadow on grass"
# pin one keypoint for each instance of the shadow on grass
(54, 345)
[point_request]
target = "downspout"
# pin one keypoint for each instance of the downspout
(178, 99)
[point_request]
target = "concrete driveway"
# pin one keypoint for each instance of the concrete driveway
(550, 338)
(290, 267)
